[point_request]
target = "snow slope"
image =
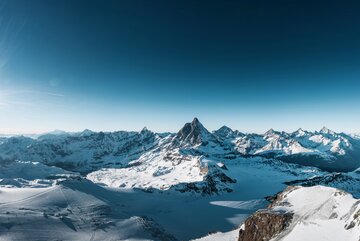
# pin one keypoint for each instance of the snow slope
(149, 182)
(152, 170)
(315, 213)
(183, 216)
(320, 213)
(30, 174)
(72, 210)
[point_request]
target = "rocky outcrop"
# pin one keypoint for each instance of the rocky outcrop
(193, 133)
(264, 225)
(305, 213)
(214, 182)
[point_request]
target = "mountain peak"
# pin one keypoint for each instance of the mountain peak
(270, 132)
(225, 128)
(145, 131)
(196, 120)
(193, 132)
(86, 132)
(57, 132)
(300, 132)
(325, 130)
(224, 131)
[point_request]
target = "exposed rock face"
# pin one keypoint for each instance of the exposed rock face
(264, 225)
(214, 182)
(305, 213)
(193, 133)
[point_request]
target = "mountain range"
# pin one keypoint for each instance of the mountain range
(120, 178)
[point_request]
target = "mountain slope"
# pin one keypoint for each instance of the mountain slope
(152, 160)
(74, 209)
(306, 213)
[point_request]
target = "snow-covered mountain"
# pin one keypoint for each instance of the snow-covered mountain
(145, 185)
(193, 155)
(306, 213)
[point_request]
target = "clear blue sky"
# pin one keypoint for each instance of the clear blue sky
(122, 65)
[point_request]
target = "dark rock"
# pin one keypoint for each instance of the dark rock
(193, 133)
(264, 225)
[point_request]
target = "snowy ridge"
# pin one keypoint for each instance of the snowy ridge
(152, 160)
(74, 209)
(319, 213)
(301, 213)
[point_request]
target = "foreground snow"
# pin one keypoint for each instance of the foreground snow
(227, 236)
(25, 212)
(149, 184)
(73, 210)
(304, 214)
(320, 213)
(316, 213)
(30, 174)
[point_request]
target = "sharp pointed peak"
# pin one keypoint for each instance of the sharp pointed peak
(196, 121)
(270, 131)
(145, 130)
(300, 132)
(193, 132)
(326, 130)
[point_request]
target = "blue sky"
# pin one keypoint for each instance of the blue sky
(122, 65)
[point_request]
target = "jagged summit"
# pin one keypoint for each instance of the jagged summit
(325, 130)
(270, 132)
(145, 130)
(193, 133)
(299, 132)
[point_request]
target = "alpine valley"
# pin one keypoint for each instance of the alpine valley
(193, 184)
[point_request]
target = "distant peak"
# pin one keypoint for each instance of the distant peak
(196, 124)
(300, 132)
(269, 132)
(193, 132)
(86, 132)
(57, 132)
(226, 132)
(326, 130)
(225, 128)
(195, 121)
(145, 130)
